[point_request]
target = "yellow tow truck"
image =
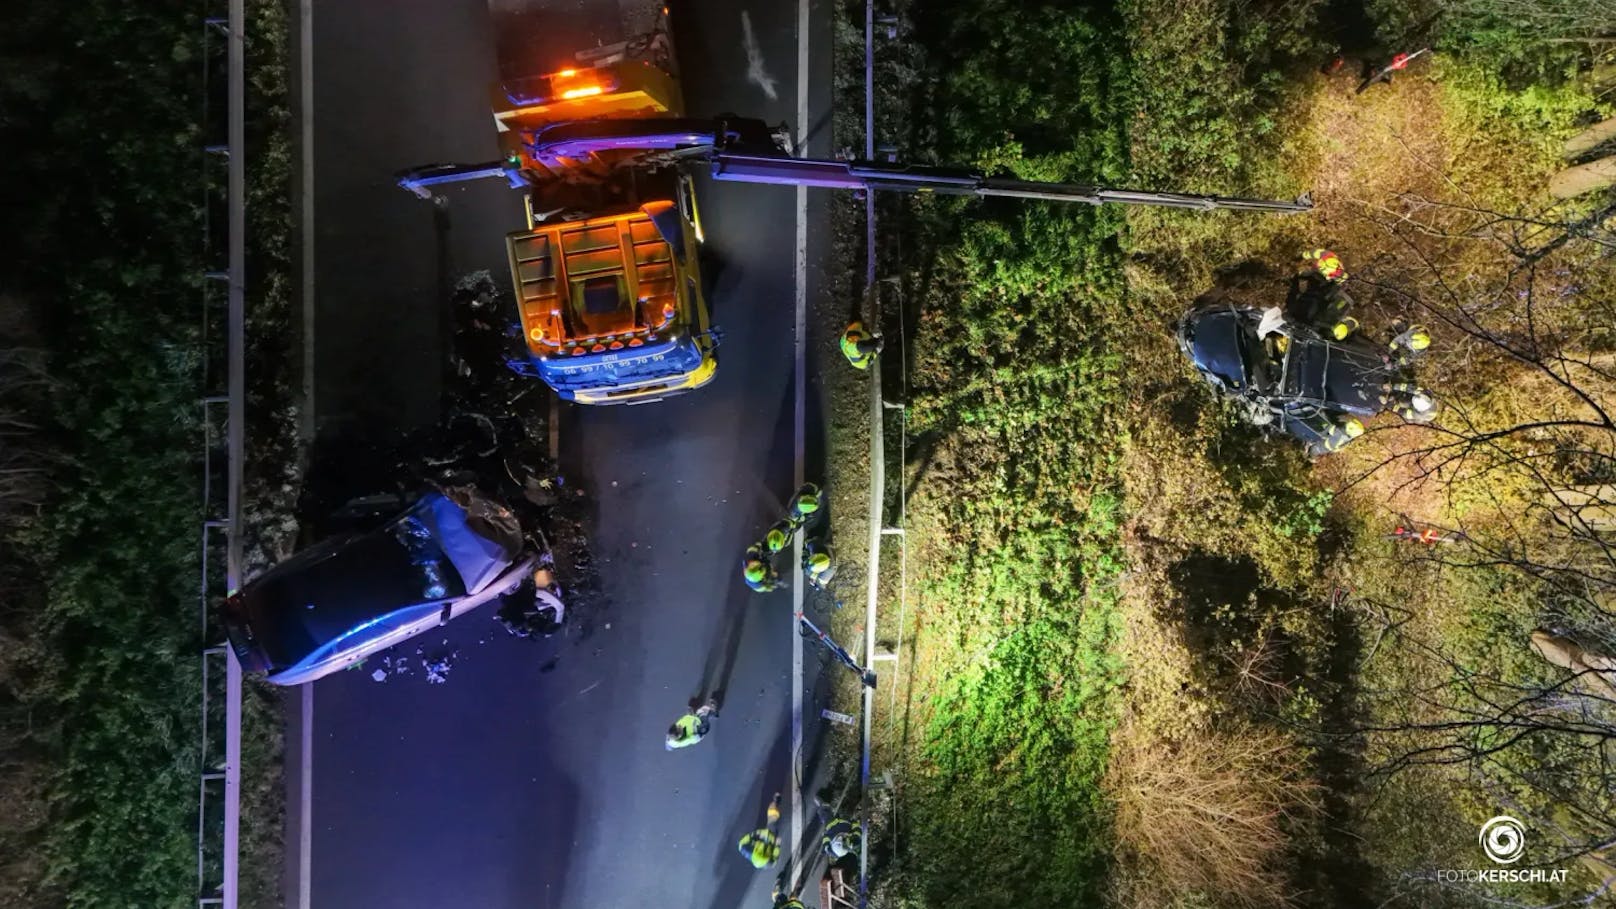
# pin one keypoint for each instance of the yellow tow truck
(606, 271)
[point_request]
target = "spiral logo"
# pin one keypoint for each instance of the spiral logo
(1503, 839)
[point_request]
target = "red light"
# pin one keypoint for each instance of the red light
(616, 345)
(597, 348)
(635, 342)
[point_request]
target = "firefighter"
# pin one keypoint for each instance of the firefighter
(761, 847)
(1407, 343)
(1316, 296)
(859, 346)
(817, 566)
(1409, 401)
(841, 838)
(1398, 62)
(1332, 434)
(756, 570)
(692, 727)
(805, 503)
(779, 535)
(1327, 264)
(786, 901)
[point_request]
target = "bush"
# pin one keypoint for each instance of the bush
(1208, 817)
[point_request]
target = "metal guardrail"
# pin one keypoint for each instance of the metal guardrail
(877, 465)
(219, 773)
(879, 531)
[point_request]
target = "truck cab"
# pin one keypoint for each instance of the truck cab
(611, 304)
(606, 269)
(606, 273)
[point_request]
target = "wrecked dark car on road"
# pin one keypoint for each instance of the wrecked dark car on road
(448, 551)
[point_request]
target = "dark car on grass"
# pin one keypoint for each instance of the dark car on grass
(1283, 375)
(362, 591)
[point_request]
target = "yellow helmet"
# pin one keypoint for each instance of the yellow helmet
(1353, 428)
(1328, 264)
(755, 571)
(775, 540)
(1418, 338)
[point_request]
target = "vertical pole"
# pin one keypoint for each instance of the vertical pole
(237, 334)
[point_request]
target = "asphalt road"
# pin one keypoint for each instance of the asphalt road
(535, 776)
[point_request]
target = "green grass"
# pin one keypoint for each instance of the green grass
(1017, 385)
(1015, 748)
(1211, 77)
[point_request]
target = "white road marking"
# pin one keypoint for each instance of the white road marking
(305, 800)
(801, 148)
(755, 73)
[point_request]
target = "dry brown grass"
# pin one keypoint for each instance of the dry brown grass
(1206, 817)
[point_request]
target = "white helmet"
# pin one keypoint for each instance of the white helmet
(839, 846)
(1422, 402)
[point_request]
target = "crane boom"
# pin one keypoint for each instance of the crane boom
(749, 151)
(873, 175)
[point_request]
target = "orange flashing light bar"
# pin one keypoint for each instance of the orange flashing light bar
(582, 92)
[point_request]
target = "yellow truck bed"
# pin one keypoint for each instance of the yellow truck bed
(606, 282)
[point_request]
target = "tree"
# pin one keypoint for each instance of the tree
(1513, 697)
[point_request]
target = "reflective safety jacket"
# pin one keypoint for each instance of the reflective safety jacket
(756, 570)
(690, 730)
(1407, 345)
(1401, 399)
(858, 346)
(840, 826)
(1328, 264)
(1335, 436)
(761, 848)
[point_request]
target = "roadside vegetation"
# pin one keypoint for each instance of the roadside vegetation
(100, 506)
(1152, 658)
